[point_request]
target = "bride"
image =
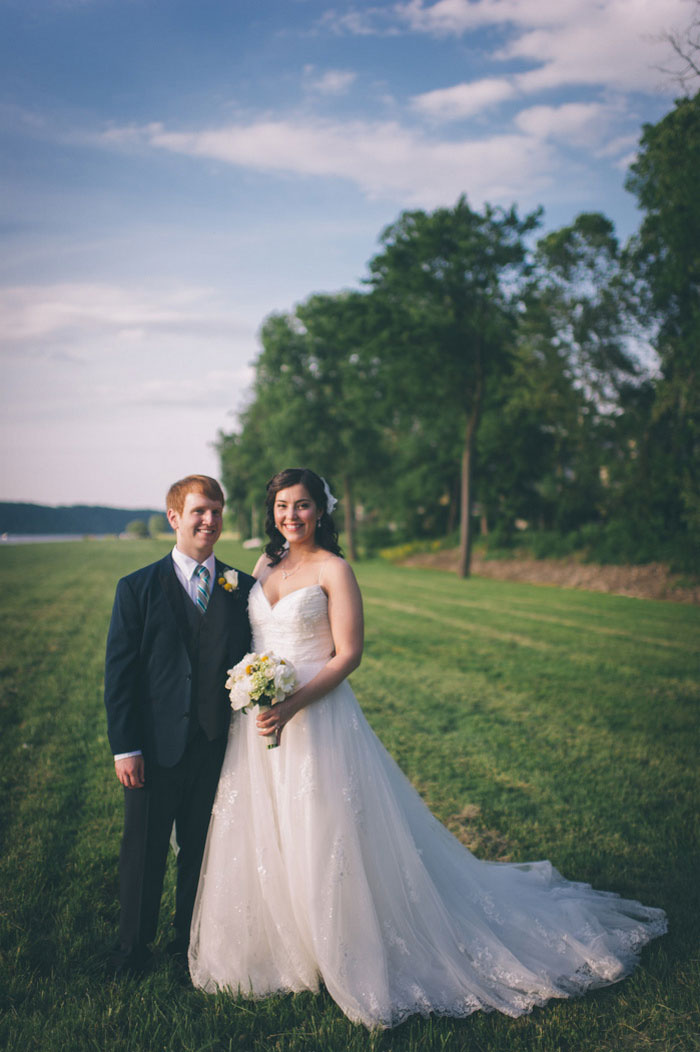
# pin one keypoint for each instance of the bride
(324, 865)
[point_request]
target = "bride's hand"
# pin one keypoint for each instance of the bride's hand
(271, 720)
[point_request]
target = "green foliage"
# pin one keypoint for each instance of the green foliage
(665, 256)
(447, 283)
(486, 379)
(396, 553)
(137, 528)
(561, 725)
(157, 526)
(316, 403)
(549, 429)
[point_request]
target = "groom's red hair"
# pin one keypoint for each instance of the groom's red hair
(177, 493)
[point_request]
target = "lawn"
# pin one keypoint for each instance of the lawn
(536, 722)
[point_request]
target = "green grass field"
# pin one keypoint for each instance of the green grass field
(536, 723)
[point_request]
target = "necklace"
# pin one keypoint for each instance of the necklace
(290, 573)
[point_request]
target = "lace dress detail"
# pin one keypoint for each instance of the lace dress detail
(324, 864)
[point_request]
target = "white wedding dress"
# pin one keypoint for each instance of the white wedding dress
(323, 864)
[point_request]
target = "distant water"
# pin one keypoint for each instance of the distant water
(40, 538)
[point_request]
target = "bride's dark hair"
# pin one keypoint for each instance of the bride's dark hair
(326, 533)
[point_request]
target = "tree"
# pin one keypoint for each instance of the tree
(665, 256)
(248, 461)
(686, 47)
(581, 296)
(575, 356)
(447, 284)
(137, 528)
(315, 400)
(157, 525)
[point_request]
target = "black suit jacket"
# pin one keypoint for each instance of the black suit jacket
(149, 668)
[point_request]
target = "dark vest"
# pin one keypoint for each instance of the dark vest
(207, 644)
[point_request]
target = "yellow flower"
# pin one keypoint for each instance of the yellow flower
(228, 580)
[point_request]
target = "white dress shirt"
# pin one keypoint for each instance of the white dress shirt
(185, 567)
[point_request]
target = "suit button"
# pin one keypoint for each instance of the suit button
(185, 715)
(188, 676)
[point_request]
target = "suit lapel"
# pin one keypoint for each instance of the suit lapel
(218, 594)
(232, 604)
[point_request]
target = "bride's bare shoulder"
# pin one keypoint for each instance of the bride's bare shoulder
(261, 567)
(337, 571)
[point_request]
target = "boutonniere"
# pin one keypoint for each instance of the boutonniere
(228, 580)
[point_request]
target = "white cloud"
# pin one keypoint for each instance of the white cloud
(333, 82)
(622, 143)
(372, 21)
(614, 43)
(41, 314)
(576, 123)
(624, 163)
(384, 159)
(462, 100)
(459, 16)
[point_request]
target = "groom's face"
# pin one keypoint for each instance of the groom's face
(198, 527)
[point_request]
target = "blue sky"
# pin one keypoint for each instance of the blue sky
(172, 171)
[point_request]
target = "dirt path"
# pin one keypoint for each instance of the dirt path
(652, 581)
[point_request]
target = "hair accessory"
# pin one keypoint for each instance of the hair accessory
(331, 501)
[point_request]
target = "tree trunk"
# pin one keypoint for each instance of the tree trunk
(349, 502)
(465, 524)
(465, 530)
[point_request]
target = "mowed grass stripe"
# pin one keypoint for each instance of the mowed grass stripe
(580, 649)
(674, 625)
(516, 612)
(422, 651)
(609, 725)
(58, 858)
(546, 711)
(610, 651)
(462, 626)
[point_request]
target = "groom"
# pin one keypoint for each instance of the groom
(177, 626)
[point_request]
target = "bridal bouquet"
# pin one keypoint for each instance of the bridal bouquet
(262, 680)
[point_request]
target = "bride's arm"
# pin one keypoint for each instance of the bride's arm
(347, 629)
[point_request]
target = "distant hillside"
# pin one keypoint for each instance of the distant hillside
(78, 518)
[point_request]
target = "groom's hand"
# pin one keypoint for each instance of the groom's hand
(131, 772)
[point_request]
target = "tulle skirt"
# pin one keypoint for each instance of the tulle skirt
(323, 864)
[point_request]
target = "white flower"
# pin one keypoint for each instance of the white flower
(260, 678)
(229, 580)
(285, 680)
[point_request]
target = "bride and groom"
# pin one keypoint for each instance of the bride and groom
(320, 863)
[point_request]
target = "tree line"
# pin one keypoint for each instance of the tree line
(21, 517)
(489, 381)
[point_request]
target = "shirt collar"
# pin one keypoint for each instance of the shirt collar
(188, 565)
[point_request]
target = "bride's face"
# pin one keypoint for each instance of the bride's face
(296, 514)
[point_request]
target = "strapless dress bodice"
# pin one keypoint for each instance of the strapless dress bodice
(296, 627)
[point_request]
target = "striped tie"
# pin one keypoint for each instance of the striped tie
(202, 588)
